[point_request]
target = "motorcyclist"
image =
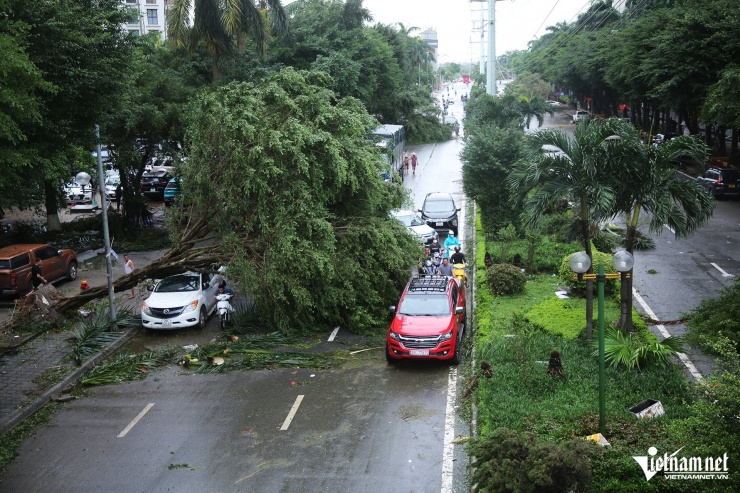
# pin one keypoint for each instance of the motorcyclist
(434, 247)
(458, 257)
(223, 289)
(450, 243)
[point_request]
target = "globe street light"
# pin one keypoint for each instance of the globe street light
(579, 263)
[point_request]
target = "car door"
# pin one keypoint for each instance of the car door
(54, 262)
(208, 292)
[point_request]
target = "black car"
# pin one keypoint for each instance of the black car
(721, 182)
(153, 183)
(439, 211)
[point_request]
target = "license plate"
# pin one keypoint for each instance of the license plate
(418, 352)
(152, 189)
(439, 223)
(730, 186)
(166, 323)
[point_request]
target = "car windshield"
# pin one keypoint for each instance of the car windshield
(177, 284)
(439, 206)
(113, 180)
(431, 305)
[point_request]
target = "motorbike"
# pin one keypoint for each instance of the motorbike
(224, 308)
(458, 270)
(429, 268)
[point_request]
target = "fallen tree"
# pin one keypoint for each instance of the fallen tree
(283, 188)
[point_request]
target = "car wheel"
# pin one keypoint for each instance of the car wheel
(72, 271)
(390, 359)
(457, 357)
(202, 317)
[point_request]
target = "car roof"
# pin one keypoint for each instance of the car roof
(12, 250)
(438, 196)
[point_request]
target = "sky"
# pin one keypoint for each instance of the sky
(517, 22)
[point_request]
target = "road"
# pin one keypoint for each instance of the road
(364, 427)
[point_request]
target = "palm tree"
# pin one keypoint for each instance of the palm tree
(217, 23)
(534, 107)
(645, 179)
(571, 168)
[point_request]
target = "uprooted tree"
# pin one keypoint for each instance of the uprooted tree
(282, 187)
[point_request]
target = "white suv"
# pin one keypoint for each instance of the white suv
(416, 226)
(179, 301)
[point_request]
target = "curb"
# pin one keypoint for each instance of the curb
(45, 397)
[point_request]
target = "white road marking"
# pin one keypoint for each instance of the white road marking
(333, 334)
(724, 274)
(448, 450)
(664, 332)
(135, 420)
(292, 412)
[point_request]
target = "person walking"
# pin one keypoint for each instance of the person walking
(406, 162)
(128, 268)
(414, 159)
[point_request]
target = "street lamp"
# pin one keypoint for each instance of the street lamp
(579, 263)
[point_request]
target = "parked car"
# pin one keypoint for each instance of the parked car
(578, 115)
(416, 226)
(439, 211)
(153, 183)
(111, 183)
(429, 321)
(74, 193)
(172, 192)
(721, 182)
(180, 301)
(450, 120)
(554, 104)
(16, 262)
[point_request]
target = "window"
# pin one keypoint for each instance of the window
(151, 17)
(131, 1)
(151, 1)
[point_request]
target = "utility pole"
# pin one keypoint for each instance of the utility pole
(491, 72)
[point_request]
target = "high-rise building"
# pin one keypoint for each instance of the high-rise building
(152, 17)
(430, 36)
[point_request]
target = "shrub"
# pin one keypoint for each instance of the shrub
(621, 348)
(511, 462)
(504, 279)
(565, 274)
(562, 317)
(716, 318)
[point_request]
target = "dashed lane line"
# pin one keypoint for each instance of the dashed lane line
(664, 332)
(448, 450)
(135, 420)
(292, 412)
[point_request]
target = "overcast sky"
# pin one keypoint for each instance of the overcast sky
(457, 22)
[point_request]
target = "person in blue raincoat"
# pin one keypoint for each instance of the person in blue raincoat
(450, 243)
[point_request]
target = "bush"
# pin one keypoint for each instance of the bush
(565, 274)
(505, 279)
(511, 462)
(715, 319)
(621, 348)
(567, 316)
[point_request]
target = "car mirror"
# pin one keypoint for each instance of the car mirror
(206, 285)
(459, 310)
(150, 287)
(392, 309)
(458, 209)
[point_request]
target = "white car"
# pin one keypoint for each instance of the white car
(553, 103)
(416, 226)
(111, 183)
(180, 301)
(578, 115)
(74, 193)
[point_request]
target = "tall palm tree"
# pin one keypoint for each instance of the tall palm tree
(219, 23)
(571, 168)
(645, 180)
(534, 107)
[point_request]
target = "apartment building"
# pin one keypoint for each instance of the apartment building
(152, 17)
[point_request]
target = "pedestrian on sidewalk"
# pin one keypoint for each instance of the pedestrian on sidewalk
(36, 278)
(413, 162)
(128, 268)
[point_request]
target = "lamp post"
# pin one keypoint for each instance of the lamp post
(579, 263)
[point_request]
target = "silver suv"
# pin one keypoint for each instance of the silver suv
(720, 182)
(416, 226)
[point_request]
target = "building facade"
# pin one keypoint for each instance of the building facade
(152, 17)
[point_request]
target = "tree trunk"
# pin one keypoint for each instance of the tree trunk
(733, 147)
(184, 256)
(589, 284)
(52, 209)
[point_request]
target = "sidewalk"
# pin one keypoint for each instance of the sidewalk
(25, 373)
